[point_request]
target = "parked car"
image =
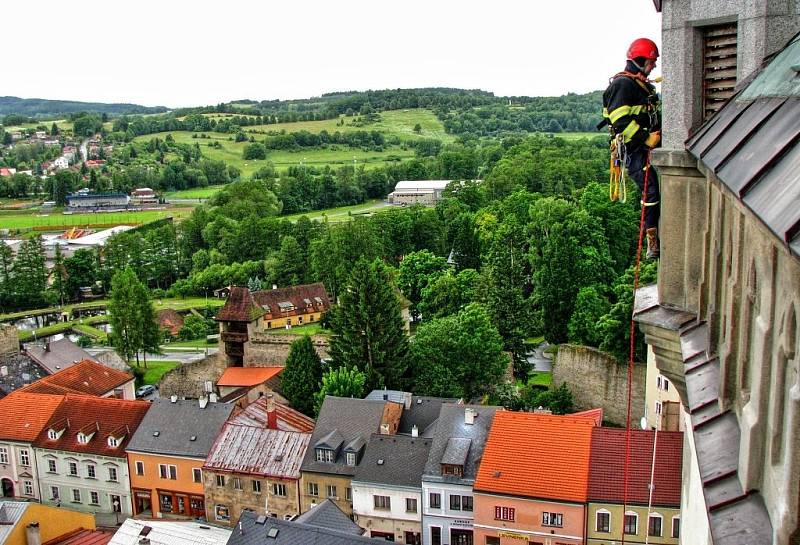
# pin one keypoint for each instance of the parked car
(145, 390)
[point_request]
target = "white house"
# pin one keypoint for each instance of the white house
(61, 162)
(427, 192)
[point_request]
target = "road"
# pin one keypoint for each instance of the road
(541, 360)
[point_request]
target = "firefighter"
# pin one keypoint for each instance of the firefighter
(631, 108)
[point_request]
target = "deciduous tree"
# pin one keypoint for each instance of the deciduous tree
(340, 382)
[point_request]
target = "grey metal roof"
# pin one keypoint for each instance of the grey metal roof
(398, 396)
(451, 424)
(57, 355)
(258, 450)
(753, 146)
(169, 533)
(455, 453)
(403, 460)
(10, 513)
(168, 428)
(328, 515)
(350, 418)
(257, 530)
(423, 413)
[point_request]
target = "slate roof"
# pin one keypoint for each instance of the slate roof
(752, 146)
(108, 415)
(25, 415)
(397, 460)
(451, 424)
(170, 533)
(302, 299)
(247, 376)
(328, 515)
(559, 470)
(255, 531)
(57, 355)
(255, 414)
(258, 451)
(20, 370)
(169, 428)
(349, 418)
(607, 467)
(240, 307)
(85, 377)
(423, 412)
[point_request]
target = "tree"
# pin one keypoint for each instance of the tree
(368, 327)
(417, 270)
(30, 273)
(590, 306)
(302, 375)
(254, 151)
(449, 293)
(340, 382)
(459, 355)
(59, 276)
(417, 128)
(132, 317)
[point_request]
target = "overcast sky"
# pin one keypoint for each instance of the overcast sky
(185, 53)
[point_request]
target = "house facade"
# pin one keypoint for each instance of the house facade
(167, 453)
(448, 502)
(541, 498)
(426, 192)
(255, 463)
(293, 305)
(722, 321)
(387, 490)
(24, 417)
(337, 446)
(81, 457)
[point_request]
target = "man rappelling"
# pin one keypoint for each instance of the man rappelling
(631, 108)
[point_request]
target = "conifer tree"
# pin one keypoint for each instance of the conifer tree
(368, 327)
(301, 377)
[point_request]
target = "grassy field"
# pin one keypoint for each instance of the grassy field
(231, 153)
(578, 135)
(195, 193)
(309, 329)
(56, 221)
(155, 369)
(342, 213)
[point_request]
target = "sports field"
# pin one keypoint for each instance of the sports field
(56, 221)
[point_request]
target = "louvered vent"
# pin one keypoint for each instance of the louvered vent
(719, 66)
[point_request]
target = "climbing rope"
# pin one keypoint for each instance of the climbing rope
(633, 349)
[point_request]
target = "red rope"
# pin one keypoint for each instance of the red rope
(633, 346)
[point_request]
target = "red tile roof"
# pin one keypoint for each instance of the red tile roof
(607, 468)
(537, 455)
(83, 537)
(107, 415)
(85, 377)
(303, 299)
(25, 415)
(240, 307)
(247, 376)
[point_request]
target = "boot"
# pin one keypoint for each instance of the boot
(652, 243)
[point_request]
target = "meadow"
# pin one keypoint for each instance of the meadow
(56, 221)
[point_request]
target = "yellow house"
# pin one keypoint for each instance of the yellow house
(293, 305)
(646, 517)
(49, 523)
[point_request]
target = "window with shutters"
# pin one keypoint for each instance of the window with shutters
(719, 66)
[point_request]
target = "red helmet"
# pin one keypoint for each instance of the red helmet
(643, 47)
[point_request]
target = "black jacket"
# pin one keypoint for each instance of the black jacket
(631, 107)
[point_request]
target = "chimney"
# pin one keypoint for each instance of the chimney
(47, 346)
(385, 429)
(212, 397)
(173, 399)
(407, 399)
(33, 534)
(469, 416)
(414, 431)
(274, 286)
(272, 414)
(203, 401)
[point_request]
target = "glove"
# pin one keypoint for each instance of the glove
(653, 140)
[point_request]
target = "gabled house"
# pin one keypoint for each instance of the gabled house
(167, 453)
(80, 453)
(255, 463)
(533, 479)
(86, 377)
(447, 482)
(24, 415)
(55, 356)
(337, 446)
(650, 513)
(387, 487)
(249, 383)
(292, 305)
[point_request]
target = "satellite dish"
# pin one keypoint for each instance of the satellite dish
(643, 422)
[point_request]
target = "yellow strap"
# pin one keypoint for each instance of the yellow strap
(621, 112)
(649, 203)
(630, 130)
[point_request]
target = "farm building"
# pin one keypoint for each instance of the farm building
(418, 192)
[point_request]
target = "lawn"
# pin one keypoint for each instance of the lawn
(308, 329)
(536, 378)
(195, 193)
(57, 221)
(155, 369)
(342, 213)
(196, 343)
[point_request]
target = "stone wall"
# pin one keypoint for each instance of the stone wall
(188, 380)
(598, 380)
(265, 349)
(9, 340)
(237, 501)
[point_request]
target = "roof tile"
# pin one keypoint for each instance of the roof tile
(86, 377)
(25, 414)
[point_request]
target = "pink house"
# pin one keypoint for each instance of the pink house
(531, 487)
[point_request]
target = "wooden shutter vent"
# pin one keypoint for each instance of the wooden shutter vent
(719, 66)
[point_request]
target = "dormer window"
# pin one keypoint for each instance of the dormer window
(52, 435)
(350, 458)
(451, 469)
(113, 442)
(83, 438)
(325, 455)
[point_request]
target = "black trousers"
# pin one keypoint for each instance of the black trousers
(637, 162)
